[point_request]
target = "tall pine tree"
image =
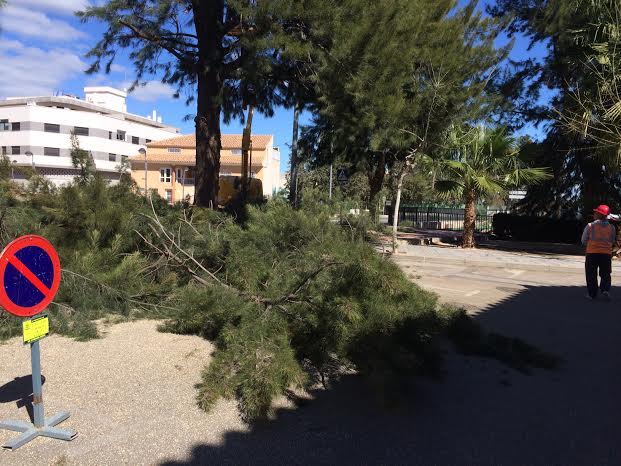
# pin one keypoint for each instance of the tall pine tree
(222, 53)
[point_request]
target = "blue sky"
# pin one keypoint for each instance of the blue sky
(42, 52)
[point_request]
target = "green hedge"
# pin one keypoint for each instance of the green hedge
(530, 228)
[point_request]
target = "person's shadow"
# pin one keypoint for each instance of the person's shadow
(19, 390)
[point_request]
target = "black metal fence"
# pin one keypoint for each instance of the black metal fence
(440, 218)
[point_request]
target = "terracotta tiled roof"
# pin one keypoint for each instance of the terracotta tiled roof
(189, 160)
(229, 141)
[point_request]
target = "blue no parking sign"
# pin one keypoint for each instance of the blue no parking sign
(29, 275)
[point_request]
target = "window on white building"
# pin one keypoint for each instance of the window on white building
(80, 131)
(112, 157)
(15, 150)
(165, 175)
(51, 151)
(16, 126)
(51, 128)
(236, 151)
(4, 125)
(135, 140)
(3, 150)
(174, 149)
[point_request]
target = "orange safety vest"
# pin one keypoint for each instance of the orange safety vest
(601, 238)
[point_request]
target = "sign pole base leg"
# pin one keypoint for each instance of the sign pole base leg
(30, 432)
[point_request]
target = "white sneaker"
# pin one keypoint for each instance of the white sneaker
(589, 297)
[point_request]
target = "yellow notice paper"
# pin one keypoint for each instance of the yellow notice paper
(36, 328)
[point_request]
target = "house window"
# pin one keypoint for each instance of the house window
(109, 134)
(3, 150)
(15, 150)
(180, 175)
(51, 128)
(16, 126)
(120, 135)
(169, 198)
(112, 157)
(80, 131)
(147, 141)
(165, 175)
(4, 125)
(51, 151)
(135, 140)
(236, 151)
(174, 149)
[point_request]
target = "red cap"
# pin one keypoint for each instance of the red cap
(602, 209)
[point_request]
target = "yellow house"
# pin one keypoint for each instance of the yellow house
(169, 164)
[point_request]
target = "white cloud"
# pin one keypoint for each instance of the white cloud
(151, 91)
(32, 71)
(25, 22)
(116, 68)
(67, 7)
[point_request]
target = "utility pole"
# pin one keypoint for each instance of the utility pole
(330, 181)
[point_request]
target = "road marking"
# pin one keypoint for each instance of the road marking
(425, 285)
(472, 293)
(515, 273)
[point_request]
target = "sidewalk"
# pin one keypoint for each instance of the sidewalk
(497, 259)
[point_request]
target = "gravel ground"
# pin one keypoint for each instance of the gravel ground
(131, 396)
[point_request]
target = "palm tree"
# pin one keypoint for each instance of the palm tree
(483, 163)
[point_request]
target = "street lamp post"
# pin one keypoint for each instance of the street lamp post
(144, 153)
(30, 154)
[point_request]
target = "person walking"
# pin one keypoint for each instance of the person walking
(599, 237)
(615, 219)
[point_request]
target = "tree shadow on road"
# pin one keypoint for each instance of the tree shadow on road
(481, 413)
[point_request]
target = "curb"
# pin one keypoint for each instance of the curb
(499, 265)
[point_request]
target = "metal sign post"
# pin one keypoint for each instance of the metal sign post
(29, 279)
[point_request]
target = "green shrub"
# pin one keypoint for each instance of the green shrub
(530, 228)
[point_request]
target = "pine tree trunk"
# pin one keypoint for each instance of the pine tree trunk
(395, 213)
(376, 181)
(246, 141)
(293, 178)
(592, 186)
(470, 216)
(208, 19)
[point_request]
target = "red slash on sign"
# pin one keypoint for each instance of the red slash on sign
(29, 275)
(25, 271)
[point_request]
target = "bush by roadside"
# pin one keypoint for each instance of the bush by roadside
(540, 229)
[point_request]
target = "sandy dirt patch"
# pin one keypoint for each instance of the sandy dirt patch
(131, 395)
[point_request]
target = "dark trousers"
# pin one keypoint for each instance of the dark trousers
(593, 263)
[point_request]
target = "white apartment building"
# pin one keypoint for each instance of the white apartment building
(35, 131)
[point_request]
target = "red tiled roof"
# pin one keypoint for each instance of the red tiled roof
(229, 141)
(190, 160)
